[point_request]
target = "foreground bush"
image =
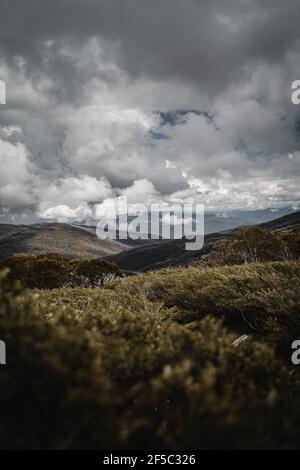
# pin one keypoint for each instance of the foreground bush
(221, 398)
(53, 392)
(148, 362)
(258, 299)
(254, 245)
(52, 271)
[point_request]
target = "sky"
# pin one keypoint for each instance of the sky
(161, 100)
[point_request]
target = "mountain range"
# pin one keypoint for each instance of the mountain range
(82, 242)
(173, 252)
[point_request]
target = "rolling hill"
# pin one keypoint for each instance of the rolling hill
(215, 222)
(81, 242)
(61, 239)
(173, 252)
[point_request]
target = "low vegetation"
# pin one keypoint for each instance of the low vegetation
(254, 245)
(152, 361)
(51, 271)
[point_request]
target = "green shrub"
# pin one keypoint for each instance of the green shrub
(52, 271)
(254, 245)
(221, 398)
(94, 273)
(260, 299)
(53, 392)
(186, 386)
(149, 363)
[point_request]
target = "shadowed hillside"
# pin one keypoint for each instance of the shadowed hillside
(61, 239)
(173, 252)
(81, 242)
(286, 222)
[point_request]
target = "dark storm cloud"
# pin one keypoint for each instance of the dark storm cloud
(206, 42)
(194, 95)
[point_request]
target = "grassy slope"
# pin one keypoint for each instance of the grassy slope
(257, 299)
(150, 355)
(62, 239)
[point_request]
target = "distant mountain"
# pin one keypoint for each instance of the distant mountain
(81, 242)
(216, 222)
(220, 221)
(287, 222)
(173, 252)
(62, 239)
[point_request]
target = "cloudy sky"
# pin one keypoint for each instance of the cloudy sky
(176, 100)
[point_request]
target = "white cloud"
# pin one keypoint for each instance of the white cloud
(73, 198)
(15, 175)
(63, 213)
(73, 191)
(141, 191)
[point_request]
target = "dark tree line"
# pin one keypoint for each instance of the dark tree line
(52, 271)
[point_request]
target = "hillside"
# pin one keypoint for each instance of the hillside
(173, 252)
(215, 222)
(286, 222)
(81, 242)
(61, 239)
(220, 221)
